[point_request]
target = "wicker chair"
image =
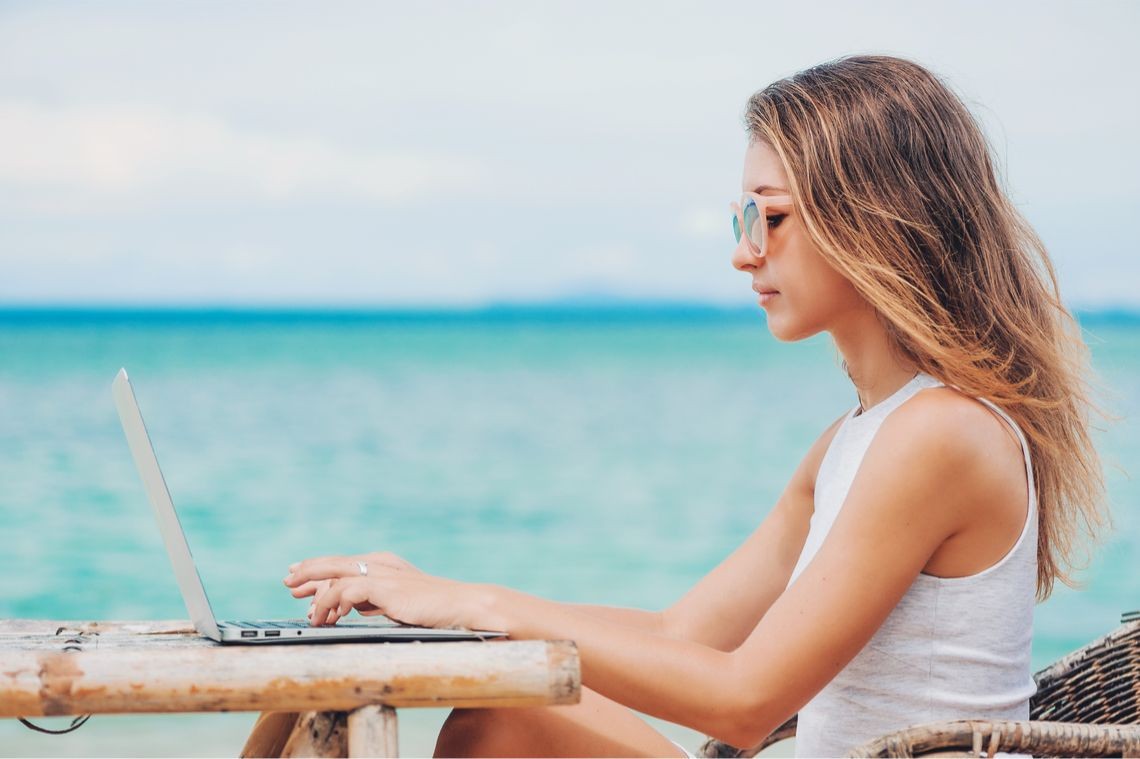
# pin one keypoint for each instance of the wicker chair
(1087, 704)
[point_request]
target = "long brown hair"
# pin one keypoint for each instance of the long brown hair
(895, 185)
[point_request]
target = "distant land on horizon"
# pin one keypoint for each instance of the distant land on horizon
(565, 309)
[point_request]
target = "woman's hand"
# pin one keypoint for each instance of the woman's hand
(392, 587)
(345, 566)
(317, 588)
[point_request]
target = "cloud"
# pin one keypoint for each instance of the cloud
(705, 223)
(107, 157)
(389, 153)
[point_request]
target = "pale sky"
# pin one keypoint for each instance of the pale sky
(368, 154)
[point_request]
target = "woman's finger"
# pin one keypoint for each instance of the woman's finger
(319, 588)
(322, 587)
(341, 598)
(324, 603)
(388, 559)
(309, 588)
(324, 568)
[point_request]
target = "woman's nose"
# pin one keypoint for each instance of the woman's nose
(742, 258)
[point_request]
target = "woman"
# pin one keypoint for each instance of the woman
(893, 583)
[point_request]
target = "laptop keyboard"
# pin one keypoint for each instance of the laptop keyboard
(293, 624)
(279, 624)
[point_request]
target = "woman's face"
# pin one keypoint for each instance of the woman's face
(809, 295)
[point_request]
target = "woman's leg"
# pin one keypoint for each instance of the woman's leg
(596, 726)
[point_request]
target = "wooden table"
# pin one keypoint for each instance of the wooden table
(344, 693)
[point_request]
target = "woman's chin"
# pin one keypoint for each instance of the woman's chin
(786, 330)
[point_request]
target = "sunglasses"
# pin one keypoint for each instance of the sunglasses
(750, 219)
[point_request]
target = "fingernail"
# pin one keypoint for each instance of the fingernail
(293, 567)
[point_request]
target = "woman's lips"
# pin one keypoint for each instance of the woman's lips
(765, 294)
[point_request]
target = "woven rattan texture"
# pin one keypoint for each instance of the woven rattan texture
(1100, 684)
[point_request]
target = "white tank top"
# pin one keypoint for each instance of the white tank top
(953, 648)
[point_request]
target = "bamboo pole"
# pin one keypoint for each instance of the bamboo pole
(984, 738)
(372, 732)
(117, 671)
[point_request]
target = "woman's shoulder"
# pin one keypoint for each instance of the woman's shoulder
(969, 457)
(975, 472)
(941, 433)
(957, 424)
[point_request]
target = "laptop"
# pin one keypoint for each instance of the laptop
(190, 582)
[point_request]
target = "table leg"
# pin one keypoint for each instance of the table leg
(269, 735)
(318, 734)
(372, 732)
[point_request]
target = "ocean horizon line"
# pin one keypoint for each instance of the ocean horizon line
(504, 311)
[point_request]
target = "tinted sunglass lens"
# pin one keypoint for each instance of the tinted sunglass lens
(751, 217)
(736, 226)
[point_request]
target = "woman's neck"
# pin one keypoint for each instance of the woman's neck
(874, 368)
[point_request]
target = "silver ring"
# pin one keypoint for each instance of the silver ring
(363, 567)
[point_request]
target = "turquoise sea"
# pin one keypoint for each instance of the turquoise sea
(610, 455)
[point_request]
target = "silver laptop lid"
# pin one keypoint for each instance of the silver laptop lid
(193, 593)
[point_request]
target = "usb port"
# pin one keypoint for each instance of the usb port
(273, 633)
(249, 633)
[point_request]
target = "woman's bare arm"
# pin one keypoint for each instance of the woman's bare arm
(724, 607)
(639, 619)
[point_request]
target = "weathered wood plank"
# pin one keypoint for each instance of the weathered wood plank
(37, 627)
(178, 673)
(372, 732)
